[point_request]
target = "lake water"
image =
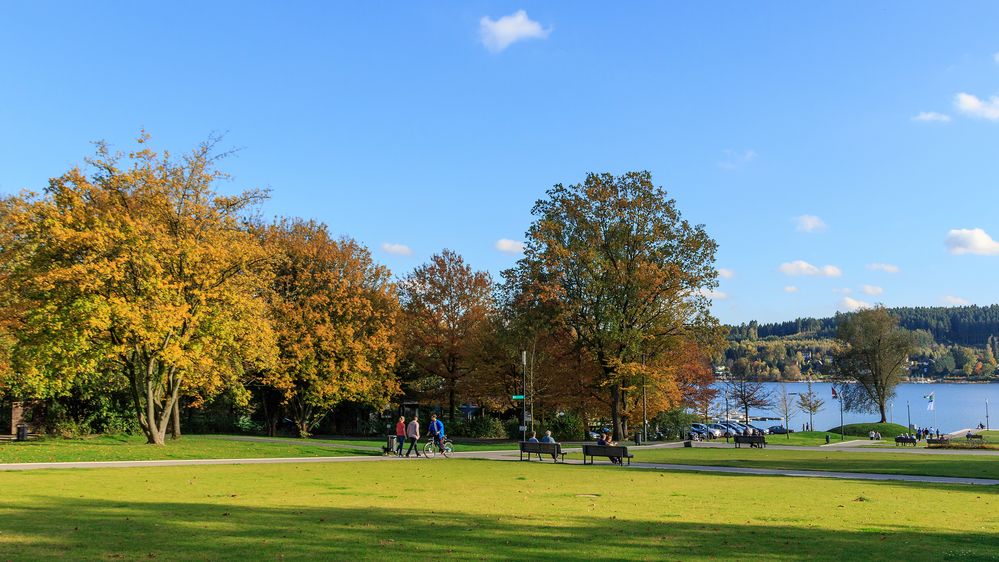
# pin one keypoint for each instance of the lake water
(958, 406)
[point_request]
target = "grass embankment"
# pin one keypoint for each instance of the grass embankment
(966, 466)
(467, 509)
(887, 430)
(129, 448)
(806, 438)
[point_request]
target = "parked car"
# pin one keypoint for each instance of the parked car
(701, 430)
(760, 429)
(780, 430)
(736, 427)
(720, 430)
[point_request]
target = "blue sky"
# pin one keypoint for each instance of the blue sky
(425, 125)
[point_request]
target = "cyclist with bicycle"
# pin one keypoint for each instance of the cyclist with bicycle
(436, 430)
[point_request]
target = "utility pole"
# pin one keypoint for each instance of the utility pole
(533, 350)
(645, 407)
(523, 419)
(986, 414)
(908, 415)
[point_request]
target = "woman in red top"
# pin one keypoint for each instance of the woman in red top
(400, 435)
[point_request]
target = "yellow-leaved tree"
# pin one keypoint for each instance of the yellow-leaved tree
(335, 312)
(136, 269)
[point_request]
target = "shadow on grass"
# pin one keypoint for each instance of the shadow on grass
(92, 529)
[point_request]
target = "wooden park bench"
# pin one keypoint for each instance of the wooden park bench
(937, 441)
(551, 449)
(905, 441)
(754, 441)
(977, 436)
(608, 451)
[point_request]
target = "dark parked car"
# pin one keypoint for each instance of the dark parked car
(780, 430)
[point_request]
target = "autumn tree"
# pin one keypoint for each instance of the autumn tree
(334, 312)
(810, 403)
(874, 352)
(139, 270)
(446, 306)
(629, 275)
(747, 395)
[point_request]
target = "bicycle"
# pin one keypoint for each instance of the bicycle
(430, 449)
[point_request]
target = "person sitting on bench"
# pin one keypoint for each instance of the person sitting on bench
(549, 439)
(606, 441)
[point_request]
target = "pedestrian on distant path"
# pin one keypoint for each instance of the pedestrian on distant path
(400, 435)
(413, 433)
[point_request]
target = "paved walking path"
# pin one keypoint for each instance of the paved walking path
(505, 455)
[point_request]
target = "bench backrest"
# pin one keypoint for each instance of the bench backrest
(605, 450)
(975, 436)
(905, 439)
(750, 439)
(550, 448)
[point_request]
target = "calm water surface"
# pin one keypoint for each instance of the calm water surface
(958, 406)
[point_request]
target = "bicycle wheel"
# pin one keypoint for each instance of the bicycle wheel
(429, 450)
(448, 450)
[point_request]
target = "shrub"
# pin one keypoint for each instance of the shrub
(566, 426)
(477, 428)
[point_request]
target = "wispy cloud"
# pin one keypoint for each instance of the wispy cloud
(842, 290)
(801, 267)
(853, 304)
(955, 301)
(790, 289)
(995, 57)
(737, 159)
(931, 117)
(396, 249)
(713, 294)
(809, 223)
(962, 241)
(499, 34)
(886, 267)
(725, 273)
(977, 107)
(508, 246)
(872, 290)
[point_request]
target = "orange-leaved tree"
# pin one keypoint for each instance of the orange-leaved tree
(446, 305)
(137, 269)
(335, 312)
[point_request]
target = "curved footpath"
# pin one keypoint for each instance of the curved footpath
(508, 455)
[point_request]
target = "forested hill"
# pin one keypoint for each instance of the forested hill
(962, 325)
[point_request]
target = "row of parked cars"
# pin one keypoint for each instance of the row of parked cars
(732, 428)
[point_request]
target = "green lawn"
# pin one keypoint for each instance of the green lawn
(467, 509)
(972, 466)
(807, 438)
(459, 445)
(126, 448)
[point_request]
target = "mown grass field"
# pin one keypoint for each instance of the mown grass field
(126, 448)
(469, 509)
(924, 464)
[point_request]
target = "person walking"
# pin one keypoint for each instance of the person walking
(400, 435)
(413, 433)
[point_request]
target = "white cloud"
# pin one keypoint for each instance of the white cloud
(871, 290)
(853, 304)
(725, 273)
(801, 267)
(810, 223)
(508, 246)
(971, 241)
(951, 300)
(995, 57)
(790, 289)
(886, 267)
(499, 34)
(977, 107)
(931, 117)
(713, 294)
(397, 249)
(736, 159)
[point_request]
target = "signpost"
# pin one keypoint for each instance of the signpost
(517, 397)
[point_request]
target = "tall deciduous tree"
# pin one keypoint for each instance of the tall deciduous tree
(335, 314)
(447, 306)
(810, 403)
(874, 352)
(748, 395)
(140, 270)
(629, 275)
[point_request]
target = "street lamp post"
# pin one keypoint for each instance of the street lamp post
(986, 414)
(908, 415)
(523, 419)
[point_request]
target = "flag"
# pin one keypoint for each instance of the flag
(929, 403)
(835, 397)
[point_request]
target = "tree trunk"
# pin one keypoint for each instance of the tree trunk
(175, 419)
(881, 407)
(615, 399)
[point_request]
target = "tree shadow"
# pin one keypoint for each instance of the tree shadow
(90, 529)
